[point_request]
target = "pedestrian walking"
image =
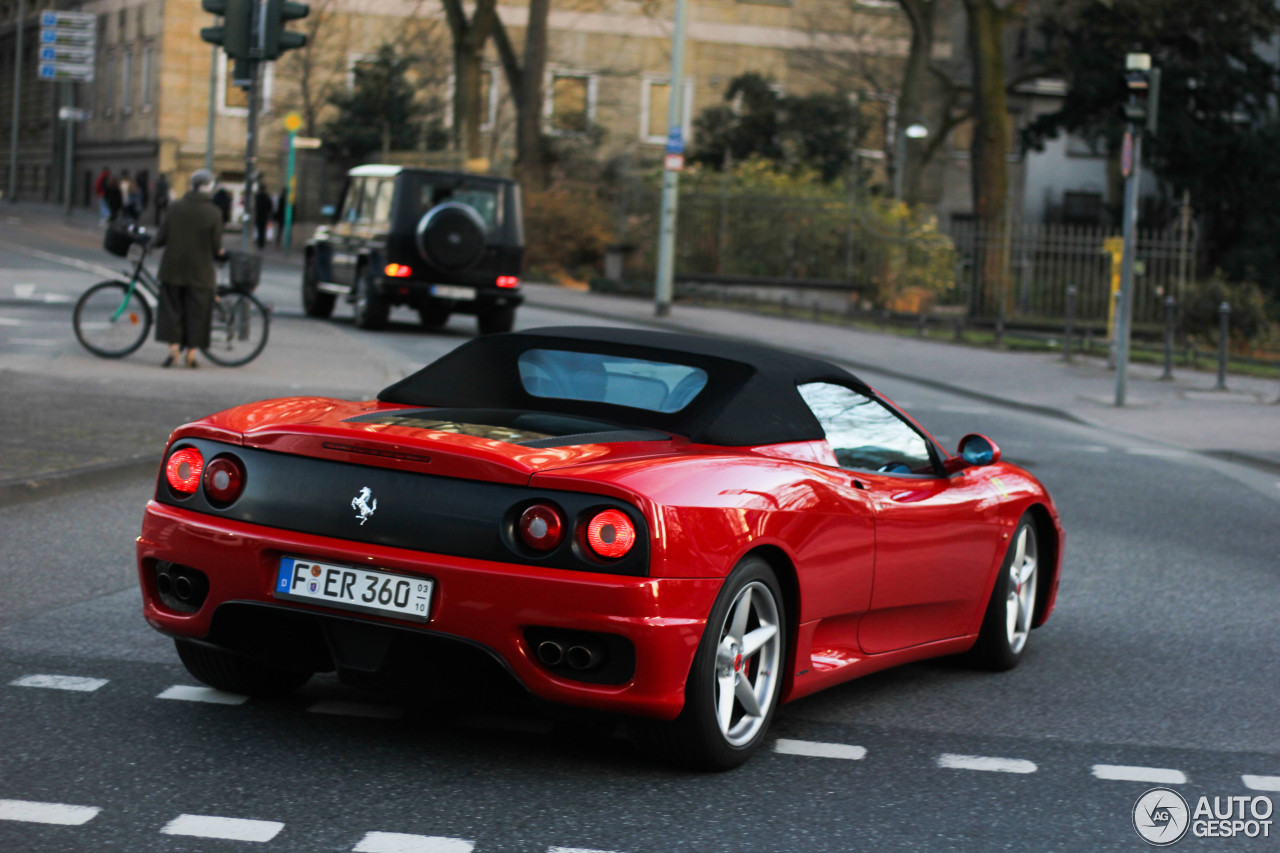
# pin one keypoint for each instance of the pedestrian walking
(114, 198)
(100, 190)
(192, 239)
(162, 196)
(131, 198)
(282, 201)
(222, 198)
(263, 208)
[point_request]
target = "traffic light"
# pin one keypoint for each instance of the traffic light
(235, 33)
(1143, 107)
(278, 39)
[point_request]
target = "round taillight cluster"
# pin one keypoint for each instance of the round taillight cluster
(223, 480)
(610, 534)
(223, 476)
(183, 470)
(540, 527)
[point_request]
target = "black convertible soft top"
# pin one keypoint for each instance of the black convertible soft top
(751, 396)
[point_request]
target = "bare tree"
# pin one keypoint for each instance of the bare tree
(469, 38)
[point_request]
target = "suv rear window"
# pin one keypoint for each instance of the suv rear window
(597, 378)
(421, 194)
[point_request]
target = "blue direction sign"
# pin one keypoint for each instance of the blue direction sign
(675, 141)
(68, 44)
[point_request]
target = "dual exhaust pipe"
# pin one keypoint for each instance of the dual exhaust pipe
(181, 588)
(579, 656)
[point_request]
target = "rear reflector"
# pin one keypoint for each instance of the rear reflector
(183, 469)
(611, 534)
(540, 527)
(398, 271)
(508, 281)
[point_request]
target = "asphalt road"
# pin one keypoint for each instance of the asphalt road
(1158, 667)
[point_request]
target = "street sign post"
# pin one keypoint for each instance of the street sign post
(292, 123)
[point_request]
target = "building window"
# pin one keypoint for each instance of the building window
(107, 94)
(126, 82)
(233, 100)
(148, 66)
(655, 96)
(571, 102)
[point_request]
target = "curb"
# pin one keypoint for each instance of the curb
(17, 490)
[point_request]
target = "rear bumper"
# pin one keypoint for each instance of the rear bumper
(478, 299)
(484, 604)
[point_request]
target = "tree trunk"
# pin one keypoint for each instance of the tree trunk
(469, 39)
(531, 158)
(920, 14)
(988, 159)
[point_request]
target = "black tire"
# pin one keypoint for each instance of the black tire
(1002, 640)
(451, 236)
(371, 308)
(434, 316)
(238, 329)
(105, 330)
(315, 302)
(497, 320)
(697, 738)
(227, 671)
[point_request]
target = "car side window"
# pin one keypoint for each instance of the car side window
(351, 201)
(865, 434)
(368, 206)
(382, 203)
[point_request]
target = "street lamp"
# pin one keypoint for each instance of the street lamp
(915, 130)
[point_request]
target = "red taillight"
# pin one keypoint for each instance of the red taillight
(611, 534)
(223, 480)
(508, 281)
(540, 527)
(398, 271)
(183, 470)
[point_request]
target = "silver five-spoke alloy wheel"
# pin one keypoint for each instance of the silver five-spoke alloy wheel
(1021, 602)
(748, 664)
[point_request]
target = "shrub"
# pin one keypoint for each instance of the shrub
(566, 231)
(1250, 325)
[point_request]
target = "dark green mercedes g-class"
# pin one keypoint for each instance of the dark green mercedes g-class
(441, 242)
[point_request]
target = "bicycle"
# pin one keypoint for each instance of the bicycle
(113, 318)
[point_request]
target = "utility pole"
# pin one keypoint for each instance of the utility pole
(17, 98)
(1142, 109)
(673, 163)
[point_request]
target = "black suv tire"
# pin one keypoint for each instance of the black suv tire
(371, 309)
(315, 302)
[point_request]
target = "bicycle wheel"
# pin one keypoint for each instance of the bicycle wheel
(111, 321)
(238, 329)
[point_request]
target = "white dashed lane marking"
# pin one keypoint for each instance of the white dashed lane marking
(1261, 783)
(1155, 451)
(356, 709)
(60, 682)
(987, 763)
(227, 828)
(575, 850)
(185, 693)
(56, 813)
(1125, 773)
(10, 321)
(399, 842)
(815, 749)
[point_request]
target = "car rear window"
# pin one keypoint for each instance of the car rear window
(653, 385)
(422, 194)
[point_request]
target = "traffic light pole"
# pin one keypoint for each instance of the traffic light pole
(17, 100)
(1125, 320)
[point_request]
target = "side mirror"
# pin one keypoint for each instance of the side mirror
(977, 449)
(328, 211)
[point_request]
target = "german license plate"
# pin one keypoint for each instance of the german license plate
(351, 588)
(453, 291)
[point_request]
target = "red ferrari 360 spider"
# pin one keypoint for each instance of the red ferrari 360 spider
(684, 530)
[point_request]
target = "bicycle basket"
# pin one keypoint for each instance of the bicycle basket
(245, 271)
(117, 240)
